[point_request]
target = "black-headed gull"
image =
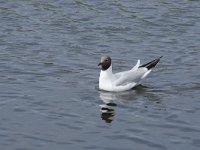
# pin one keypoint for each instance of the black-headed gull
(125, 80)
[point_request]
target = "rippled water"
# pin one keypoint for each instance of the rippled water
(49, 51)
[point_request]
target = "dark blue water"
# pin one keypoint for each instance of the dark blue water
(49, 51)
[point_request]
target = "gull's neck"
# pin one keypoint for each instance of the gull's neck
(105, 79)
(107, 72)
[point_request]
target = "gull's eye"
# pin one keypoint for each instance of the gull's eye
(106, 59)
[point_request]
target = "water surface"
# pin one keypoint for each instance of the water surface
(49, 51)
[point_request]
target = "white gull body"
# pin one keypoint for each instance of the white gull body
(125, 80)
(122, 81)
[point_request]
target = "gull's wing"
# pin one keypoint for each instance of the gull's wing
(126, 80)
(132, 76)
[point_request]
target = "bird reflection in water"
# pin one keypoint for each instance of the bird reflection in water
(108, 108)
(111, 99)
(107, 112)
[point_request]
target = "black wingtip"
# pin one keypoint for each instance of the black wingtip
(151, 64)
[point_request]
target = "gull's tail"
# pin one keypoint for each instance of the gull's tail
(151, 64)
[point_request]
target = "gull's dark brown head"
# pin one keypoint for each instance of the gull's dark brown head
(105, 62)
